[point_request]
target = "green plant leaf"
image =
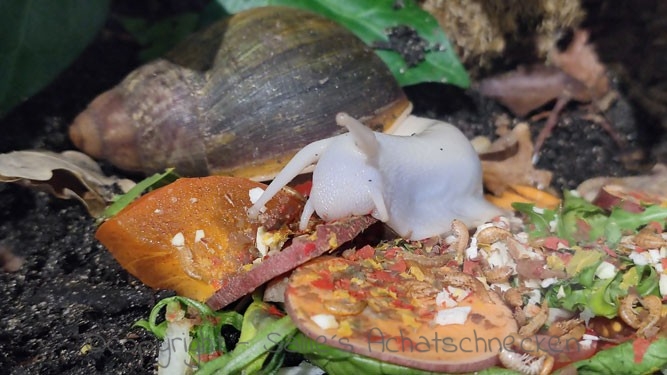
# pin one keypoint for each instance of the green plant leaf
(151, 182)
(40, 38)
(263, 342)
(371, 20)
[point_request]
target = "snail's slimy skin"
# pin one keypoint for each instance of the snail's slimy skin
(416, 184)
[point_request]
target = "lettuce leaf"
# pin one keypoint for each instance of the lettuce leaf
(339, 362)
(621, 360)
(578, 220)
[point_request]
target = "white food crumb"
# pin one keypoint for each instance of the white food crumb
(654, 254)
(472, 252)
(199, 234)
(499, 256)
(522, 237)
(259, 239)
(255, 193)
(503, 286)
(157, 211)
(557, 314)
(586, 336)
(451, 296)
(325, 321)
(548, 282)
(561, 293)
(445, 298)
(456, 315)
(585, 344)
(534, 296)
(178, 240)
(638, 258)
(193, 200)
(605, 270)
(304, 368)
(663, 284)
(553, 225)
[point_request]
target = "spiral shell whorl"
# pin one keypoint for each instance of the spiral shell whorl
(241, 97)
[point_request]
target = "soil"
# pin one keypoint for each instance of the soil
(69, 307)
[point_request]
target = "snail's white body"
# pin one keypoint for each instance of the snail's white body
(417, 184)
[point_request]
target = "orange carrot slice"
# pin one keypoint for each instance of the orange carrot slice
(194, 234)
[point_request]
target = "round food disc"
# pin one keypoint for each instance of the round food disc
(379, 304)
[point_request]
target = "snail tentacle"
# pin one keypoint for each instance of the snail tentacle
(304, 158)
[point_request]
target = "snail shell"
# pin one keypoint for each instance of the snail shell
(240, 98)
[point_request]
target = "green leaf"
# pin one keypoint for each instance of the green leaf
(243, 355)
(339, 362)
(620, 360)
(256, 316)
(39, 39)
(631, 221)
(151, 182)
(370, 20)
(538, 221)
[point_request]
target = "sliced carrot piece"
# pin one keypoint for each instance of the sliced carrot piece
(524, 194)
(506, 199)
(541, 198)
(193, 234)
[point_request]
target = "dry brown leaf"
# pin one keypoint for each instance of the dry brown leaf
(530, 87)
(653, 184)
(67, 175)
(581, 62)
(515, 165)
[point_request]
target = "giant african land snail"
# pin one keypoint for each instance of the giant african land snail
(241, 97)
(417, 184)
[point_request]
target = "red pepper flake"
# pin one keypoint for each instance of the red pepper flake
(358, 294)
(402, 304)
(324, 282)
(382, 276)
(209, 356)
(309, 248)
(365, 252)
(663, 261)
(342, 284)
(453, 264)
(273, 310)
(399, 266)
(304, 188)
(639, 249)
(552, 242)
(640, 346)
(609, 251)
(391, 253)
(469, 266)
